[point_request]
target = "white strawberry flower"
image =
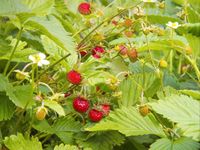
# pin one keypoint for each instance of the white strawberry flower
(173, 25)
(149, 1)
(39, 59)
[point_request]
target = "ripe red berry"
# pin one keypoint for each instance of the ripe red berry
(123, 49)
(95, 115)
(132, 54)
(81, 104)
(84, 8)
(114, 22)
(128, 23)
(74, 77)
(97, 51)
(83, 53)
(105, 109)
(128, 33)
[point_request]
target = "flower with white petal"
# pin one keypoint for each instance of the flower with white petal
(39, 59)
(173, 25)
(149, 1)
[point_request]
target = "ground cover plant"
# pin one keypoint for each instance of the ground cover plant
(99, 74)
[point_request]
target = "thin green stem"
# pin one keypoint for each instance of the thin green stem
(12, 69)
(194, 65)
(52, 65)
(13, 51)
(171, 61)
(151, 57)
(104, 21)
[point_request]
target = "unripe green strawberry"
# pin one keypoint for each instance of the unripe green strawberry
(188, 50)
(163, 63)
(41, 113)
(144, 110)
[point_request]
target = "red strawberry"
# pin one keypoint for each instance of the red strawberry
(114, 22)
(128, 33)
(105, 109)
(95, 115)
(84, 8)
(123, 49)
(81, 104)
(83, 53)
(128, 23)
(74, 77)
(132, 54)
(97, 51)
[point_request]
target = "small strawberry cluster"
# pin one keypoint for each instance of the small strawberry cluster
(96, 52)
(82, 105)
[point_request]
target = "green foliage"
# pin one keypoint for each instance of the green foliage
(57, 28)
(65, 147)
(55, 106)
(101, 140)
(64, 128)
(133, 86)
(21, 143)
(192, 93)
(128, 121)
(183, 110)
(24, 96)
(47, 27)
(179, 144)
(36, 7)
(192, 28)
(161, 19)
(21, 96)
(7, 108)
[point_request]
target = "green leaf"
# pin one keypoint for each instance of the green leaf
(131, 88)
(21, 96)
(179, 144)
(65, 128)
(102, 140)
(183, 110)
(193, 15)
(117, 65)
(66, 124)
(192, 28)
(193, 93)
(7, 108)
(37, 7)
(4, 83)
(43, 126)
(163, 45)
(161, 19)
(128, 121)
(130, 92)
(66, 137)
(19, 142)
(24, 96)
(55, 106)
(194, 44)
(47, 26)
(65, 147)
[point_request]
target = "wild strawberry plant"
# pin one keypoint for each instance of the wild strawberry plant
(100, 75)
